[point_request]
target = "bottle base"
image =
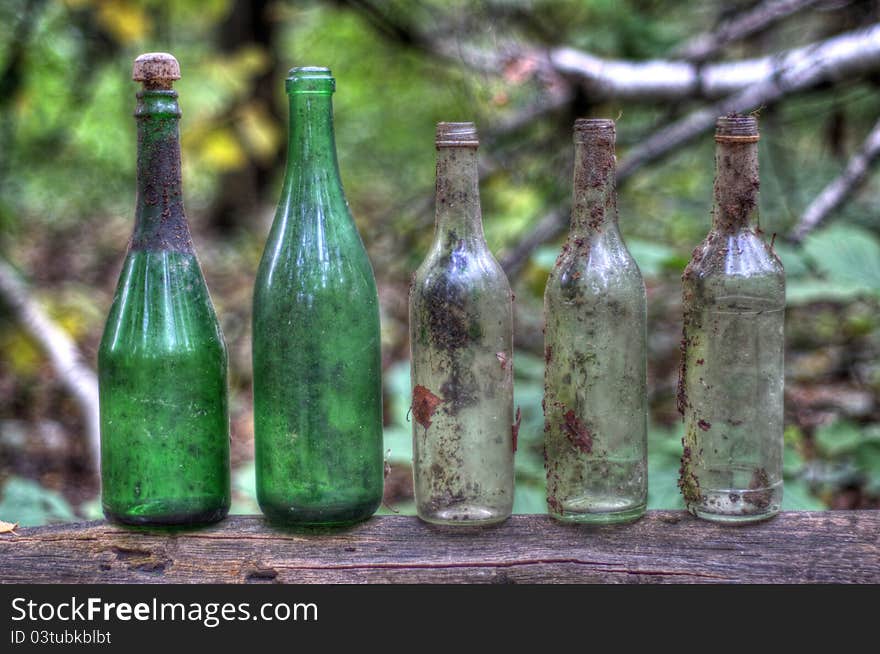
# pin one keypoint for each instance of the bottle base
(738, 506)
(598, 517)
(165, 515)
(464, 515)
(338, 516)
(731, 519)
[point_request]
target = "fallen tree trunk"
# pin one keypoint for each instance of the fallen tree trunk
(663, 547)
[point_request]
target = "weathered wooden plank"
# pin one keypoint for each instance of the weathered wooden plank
(665, 546)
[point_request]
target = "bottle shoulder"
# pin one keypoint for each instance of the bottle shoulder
(727, 267)
(743, 253)
(595, 267)
(477, 270)
(161, 305)
(325, 260)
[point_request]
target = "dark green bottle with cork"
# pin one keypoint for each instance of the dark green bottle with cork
(316, 344)
(162, 360)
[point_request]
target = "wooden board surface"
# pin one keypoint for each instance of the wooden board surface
(665, 546)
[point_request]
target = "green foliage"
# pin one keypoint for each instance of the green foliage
(29, 504)
(837, 263)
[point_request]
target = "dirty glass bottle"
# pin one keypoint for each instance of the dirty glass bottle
(162, 359)
(731, 378)
(595, 406)
(461, 339)
(316, 346)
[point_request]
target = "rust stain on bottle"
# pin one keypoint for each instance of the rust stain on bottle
(687, 480)
(578, 434)
(759, 493)
(424, 405)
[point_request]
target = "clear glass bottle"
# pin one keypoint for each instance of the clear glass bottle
(461, 339)
(316, 344)
(595, 402)
(731, 379)
(162, 359)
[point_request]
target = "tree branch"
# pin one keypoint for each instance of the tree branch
(548, 227)
(63, 353)
(842, 187)
(821, 66)
(708, 44)
(845, 54)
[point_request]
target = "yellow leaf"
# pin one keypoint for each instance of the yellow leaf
(259, 131)
(222, 151)
(126, 21)
(21, 352)
(8, 527)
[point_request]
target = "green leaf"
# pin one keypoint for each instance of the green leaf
(663, 490)
(30, 505)
(530, 498)
(792, 461)
(796, 496)
(846, 255)
(653, 257)
(793, 260)
(805, 291)
(840, 437)
(398, 444)
(545, 257)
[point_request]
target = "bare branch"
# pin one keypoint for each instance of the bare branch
(847, 54)
(843, 55)
(548, 227)
(842, 187)
(63, 353)
(764, 15)
(823, 65)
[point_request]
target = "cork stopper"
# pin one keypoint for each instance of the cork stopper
(156, 70)
(457, 135)
(594, 130)
(734, 128)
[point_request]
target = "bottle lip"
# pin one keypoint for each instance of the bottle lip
(594, 129)
(310, 79)
(456, 135)
(735, 128)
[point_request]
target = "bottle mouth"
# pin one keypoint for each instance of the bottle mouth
(736, 128)
(456, 135)
(594, 129)
(310, 79)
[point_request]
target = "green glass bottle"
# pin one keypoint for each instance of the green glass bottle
(316, 344)
(461, 341)
(732, 374)
(595, 395)
(162, 359)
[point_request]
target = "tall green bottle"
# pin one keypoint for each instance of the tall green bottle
(162, 360)
(316, 345)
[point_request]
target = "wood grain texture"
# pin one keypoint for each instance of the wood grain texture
(663, 547)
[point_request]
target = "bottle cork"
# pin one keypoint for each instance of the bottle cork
(156, 70)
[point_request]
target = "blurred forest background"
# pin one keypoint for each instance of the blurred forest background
(523, 70)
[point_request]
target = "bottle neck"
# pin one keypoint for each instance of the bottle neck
(457, 199)
(594, 198)
(736, 185)
(160, 221)
(312, 169)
